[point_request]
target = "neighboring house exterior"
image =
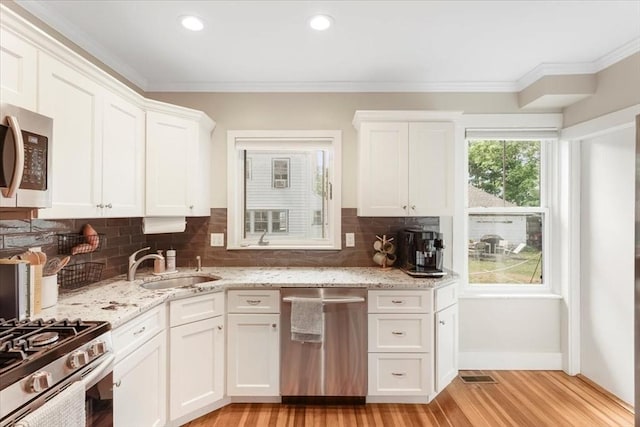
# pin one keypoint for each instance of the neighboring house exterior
(284, 194)
(510, 227)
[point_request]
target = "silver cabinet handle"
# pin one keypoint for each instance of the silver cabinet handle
(413, 207)
(219, 327)
(345, 300)
(117, 384)
(397, 301)
(18, 170)
(253, 301)
(442, 322)
(398, 374)
(404, 207)
(141, 330)
(398, 333)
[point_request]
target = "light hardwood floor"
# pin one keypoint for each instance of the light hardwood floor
(520, 398)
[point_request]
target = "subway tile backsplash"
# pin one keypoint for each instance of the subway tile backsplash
(124, 235)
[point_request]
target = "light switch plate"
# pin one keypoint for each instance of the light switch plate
(217, 239)
(350, 239)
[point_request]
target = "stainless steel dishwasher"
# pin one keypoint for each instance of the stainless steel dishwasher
(335, 369)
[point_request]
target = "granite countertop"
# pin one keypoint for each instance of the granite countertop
(118, 301)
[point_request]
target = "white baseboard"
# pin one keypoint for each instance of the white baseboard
(510, 361)
(256, 399)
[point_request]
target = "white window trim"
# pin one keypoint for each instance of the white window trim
(517, 122)
(238, 140)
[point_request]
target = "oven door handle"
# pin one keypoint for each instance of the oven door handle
(99, 372)
(18, 166)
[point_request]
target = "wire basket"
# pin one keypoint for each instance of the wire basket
(75, 244)
(78, 275)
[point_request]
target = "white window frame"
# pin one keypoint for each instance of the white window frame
(512, 127)
(281, 140)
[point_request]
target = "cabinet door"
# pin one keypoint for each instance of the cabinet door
(446, 346)
(196, 366)
(383, 176)
(139, 392)
(75, 103)
(170, 147)
(122, 158)
(431, 168)
(200, 186)
(253, 355)
(18, 71)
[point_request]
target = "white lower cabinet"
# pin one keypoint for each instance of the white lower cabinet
(253, 343)
(399, 374)
(139, 375)
(446, 327)
(196, 357)
(412, 344)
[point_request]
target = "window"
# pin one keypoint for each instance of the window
(506, 211)
(257, 222)
(280, 173)
(292, 192)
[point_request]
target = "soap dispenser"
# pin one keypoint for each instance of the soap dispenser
(158, 264)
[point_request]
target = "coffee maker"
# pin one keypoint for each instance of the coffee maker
(420, 252)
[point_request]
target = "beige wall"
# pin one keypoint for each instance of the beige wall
(618, 88)
(246, 111)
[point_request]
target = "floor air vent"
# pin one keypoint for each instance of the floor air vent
(478, 379)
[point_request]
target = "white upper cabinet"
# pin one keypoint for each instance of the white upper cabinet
(75, 104)
(178, 164)
(122, 158)
(405, 162)
(98, 150)
(18, 70)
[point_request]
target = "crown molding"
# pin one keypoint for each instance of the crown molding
(404, 116)
(558, 69)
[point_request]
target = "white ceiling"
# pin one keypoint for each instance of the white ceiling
(373, 45)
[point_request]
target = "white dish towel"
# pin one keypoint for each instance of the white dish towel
(307, 320)
(64, 410)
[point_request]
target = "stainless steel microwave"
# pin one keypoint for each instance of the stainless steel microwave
(25, 164)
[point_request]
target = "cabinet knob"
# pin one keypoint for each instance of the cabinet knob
(404, 206)
(190, 206)
(108, 206)
(273, 325)
(117, 384)
(100, 205)
(442, 322)
(219, 327)
(413, 207)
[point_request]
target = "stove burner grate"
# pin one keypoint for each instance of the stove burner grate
(45, 338)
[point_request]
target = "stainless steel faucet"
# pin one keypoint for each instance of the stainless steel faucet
(133, 263)
(263, 242)
(199, 261)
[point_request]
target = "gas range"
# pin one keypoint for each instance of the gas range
(39, 358)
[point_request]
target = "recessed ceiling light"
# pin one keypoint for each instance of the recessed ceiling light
(320, 22)
(192, 23)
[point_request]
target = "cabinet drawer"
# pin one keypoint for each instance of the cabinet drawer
(136, 332)
(446, 296)
(400, 301)
(253, 301)
(192, 309)
(399, 333)
(399, 374)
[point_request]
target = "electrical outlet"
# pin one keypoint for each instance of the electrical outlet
(217, 239)
(350, 239)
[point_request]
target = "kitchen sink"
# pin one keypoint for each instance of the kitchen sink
(177, 282)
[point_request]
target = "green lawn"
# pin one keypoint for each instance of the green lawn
(523, 268)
